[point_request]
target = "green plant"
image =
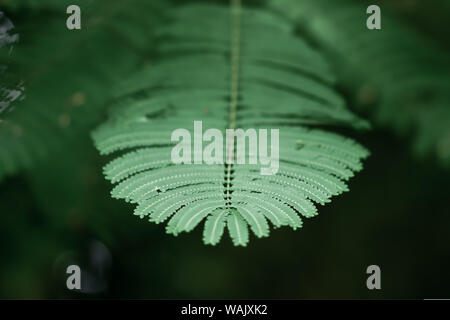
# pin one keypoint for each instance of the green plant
(83, 65)
(398, 76)
(234, 76)
(247, 71)
(55, 203)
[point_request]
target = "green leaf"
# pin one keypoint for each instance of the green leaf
(248, 70)
(214, 226)
(399, 75)
(238, 229)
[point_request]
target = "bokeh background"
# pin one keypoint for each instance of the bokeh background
(56, 210)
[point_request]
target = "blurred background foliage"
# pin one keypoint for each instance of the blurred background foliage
(58, 210)
(399, 77)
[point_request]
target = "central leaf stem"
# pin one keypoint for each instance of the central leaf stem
(234, 90)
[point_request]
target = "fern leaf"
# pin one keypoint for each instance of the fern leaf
(214, 226)
(238, 228)
(401, 77)
(231, 68)
(255, 220)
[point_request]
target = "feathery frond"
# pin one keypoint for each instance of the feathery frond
(399, 75)
(238, 68)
